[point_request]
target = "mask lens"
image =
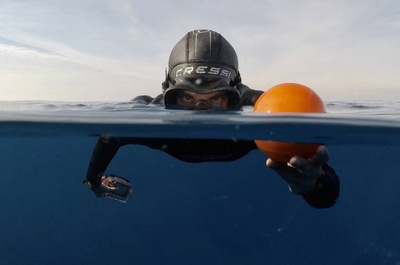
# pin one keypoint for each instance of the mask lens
(201, 84)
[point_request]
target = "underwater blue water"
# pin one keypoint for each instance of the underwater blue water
(209, 213)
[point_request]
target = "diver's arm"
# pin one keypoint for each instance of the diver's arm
(105, 150)
(103, 153)
(188, 150)
(111, 186)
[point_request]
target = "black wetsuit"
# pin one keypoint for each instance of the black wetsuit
(199, 150)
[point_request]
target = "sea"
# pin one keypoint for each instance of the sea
(236, 212)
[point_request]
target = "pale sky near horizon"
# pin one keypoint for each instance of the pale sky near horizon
(114, 50)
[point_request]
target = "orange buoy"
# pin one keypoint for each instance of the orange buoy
(284, 98)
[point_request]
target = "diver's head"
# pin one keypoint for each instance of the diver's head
(202, 65)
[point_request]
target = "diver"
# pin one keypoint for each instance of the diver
(202, 75)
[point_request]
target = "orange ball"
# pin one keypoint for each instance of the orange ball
(288, 98)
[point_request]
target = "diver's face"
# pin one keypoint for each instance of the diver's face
(212, 100)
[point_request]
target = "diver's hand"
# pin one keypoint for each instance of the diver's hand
(113, 187)
(98, 190)
(101, 189)
(301, 174)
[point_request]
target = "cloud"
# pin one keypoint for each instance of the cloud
(122, 45)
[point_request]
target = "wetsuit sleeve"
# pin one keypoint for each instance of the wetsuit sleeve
(102, 154)
(326, 190)
(193, 151)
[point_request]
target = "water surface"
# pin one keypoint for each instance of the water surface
(207, 213)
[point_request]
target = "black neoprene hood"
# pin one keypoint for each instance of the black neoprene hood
(202, 61)
(204, 46)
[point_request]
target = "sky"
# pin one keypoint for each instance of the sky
(98, 50)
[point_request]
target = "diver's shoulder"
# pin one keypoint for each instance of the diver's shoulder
(249, 96)
(146, 99)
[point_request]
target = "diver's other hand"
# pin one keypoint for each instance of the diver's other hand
(301, 174)
(98, 190)
(113, 187)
